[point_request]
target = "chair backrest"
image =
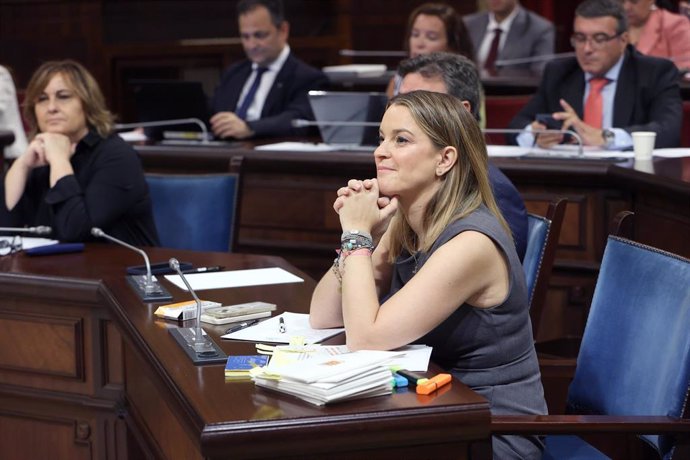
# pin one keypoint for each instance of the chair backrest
(635, 352)
(195, 212)
(542, 240)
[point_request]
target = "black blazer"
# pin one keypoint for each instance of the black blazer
(286, 100)
(647, 96)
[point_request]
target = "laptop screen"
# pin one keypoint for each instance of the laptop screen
(158, 100)
(343, 116)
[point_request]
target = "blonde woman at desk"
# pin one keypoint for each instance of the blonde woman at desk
(427, 257)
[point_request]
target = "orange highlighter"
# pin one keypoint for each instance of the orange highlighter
(433, 384)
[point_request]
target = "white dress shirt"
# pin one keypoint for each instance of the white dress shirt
(504, 25)
(267, 80)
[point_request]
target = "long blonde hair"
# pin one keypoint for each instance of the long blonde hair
(464, 187)
(84, 85)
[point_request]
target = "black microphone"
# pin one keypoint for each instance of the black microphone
(198, 346)
(148, 287)
(39, 230)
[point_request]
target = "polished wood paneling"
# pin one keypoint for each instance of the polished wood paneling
(168, 408)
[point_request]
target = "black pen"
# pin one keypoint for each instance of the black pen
(217, 268)
(242, 325)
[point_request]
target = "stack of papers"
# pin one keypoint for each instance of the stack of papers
(328, 379)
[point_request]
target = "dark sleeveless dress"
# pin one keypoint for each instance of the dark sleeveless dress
(491, 350)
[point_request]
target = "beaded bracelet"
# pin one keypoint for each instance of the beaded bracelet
(355, 239)
(339, 262)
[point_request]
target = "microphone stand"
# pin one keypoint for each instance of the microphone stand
(197, 345)
(39, 230)
(301, 123)
(179, 121)
(372, 53)
(531, 59)
(148, 288)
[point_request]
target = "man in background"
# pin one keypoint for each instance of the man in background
(607, 91)
(508, 31)
(456, 75)
(261, 95)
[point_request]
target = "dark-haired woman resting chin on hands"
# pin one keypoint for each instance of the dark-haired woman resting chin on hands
(76, 174)
(427, 257)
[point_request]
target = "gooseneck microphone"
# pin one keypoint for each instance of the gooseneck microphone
(198, 346)
(39, 230)
(301, 123)
(176, 122)
(148, 288)
(175, 265)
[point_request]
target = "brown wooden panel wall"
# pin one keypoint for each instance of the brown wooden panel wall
(119, 40)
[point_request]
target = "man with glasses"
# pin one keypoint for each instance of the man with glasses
(261, 95)
(607, 91)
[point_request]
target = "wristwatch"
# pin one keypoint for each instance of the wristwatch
(609, 136)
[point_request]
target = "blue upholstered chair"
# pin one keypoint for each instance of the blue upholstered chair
(633, 369)
(542, 240)
(194, 212)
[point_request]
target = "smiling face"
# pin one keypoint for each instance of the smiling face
(406, 159)
(58, 109)
(596, 58)
(428, 35)
(261, 39)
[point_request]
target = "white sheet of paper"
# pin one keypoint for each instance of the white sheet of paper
(235, 278)
(296, 324)
(297, 147)
(415, 359)
(29, 242)
(671, 153)
(507, 150)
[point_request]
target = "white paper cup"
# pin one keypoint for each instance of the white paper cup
(643, 144)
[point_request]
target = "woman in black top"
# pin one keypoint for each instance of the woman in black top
(76, 174)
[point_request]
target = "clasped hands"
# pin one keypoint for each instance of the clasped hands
(227, 124)
(47, 149)
(589, 134)
(360, 206)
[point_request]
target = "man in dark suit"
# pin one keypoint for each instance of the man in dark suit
(455, 74)
(523, 34)
(261, 95)
(639, 93)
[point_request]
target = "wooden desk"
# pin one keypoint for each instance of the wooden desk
(86, 371)
(288, 197)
